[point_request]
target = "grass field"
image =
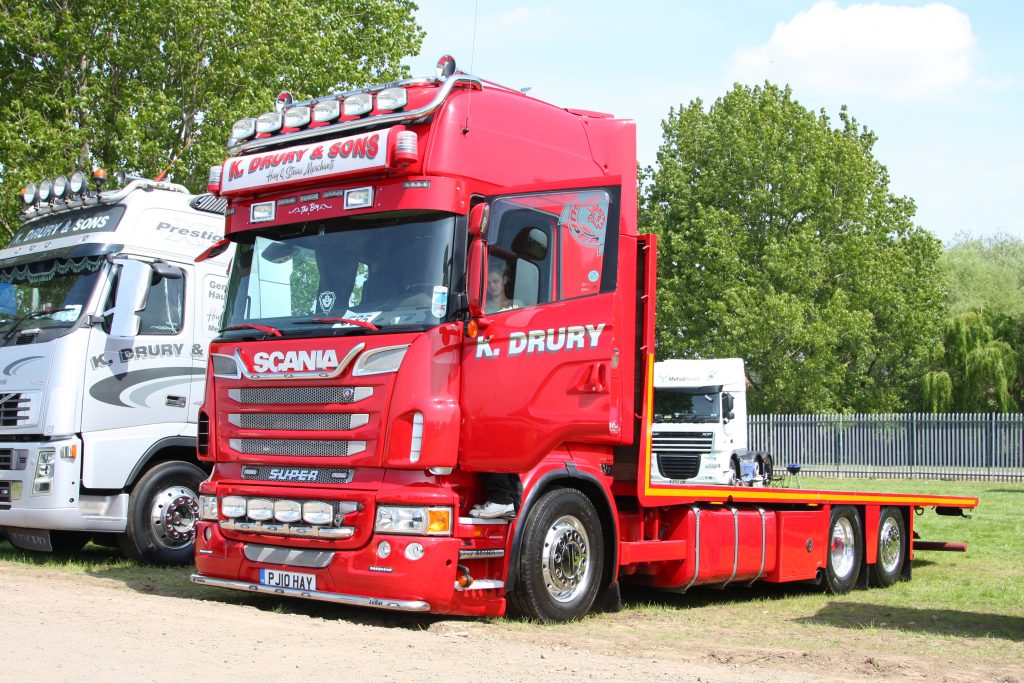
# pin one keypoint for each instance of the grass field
(972, 601)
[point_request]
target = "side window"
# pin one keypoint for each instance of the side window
(548, 247)
(165, 307)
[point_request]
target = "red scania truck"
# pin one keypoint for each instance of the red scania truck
(370, 375)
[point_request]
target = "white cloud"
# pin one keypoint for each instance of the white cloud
(895, 52)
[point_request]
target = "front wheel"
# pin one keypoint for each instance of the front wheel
(845, 550)
(562, 557)
(162, 514)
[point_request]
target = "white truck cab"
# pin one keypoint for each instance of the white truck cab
(105, 320)
(700, 425)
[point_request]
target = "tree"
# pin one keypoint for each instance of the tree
(781, 243)
(985, 273)
(976, 367)
(141, 86)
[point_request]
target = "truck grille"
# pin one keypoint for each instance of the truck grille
(299, 421)
(299, 395)
(14, 409)
(13, 459)
(298, 447)
(679, 453)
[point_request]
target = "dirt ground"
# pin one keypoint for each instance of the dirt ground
(61, 626)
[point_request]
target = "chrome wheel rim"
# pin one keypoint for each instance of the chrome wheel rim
(566, 559)
(889, 545)
(173, 516)
(842, 547)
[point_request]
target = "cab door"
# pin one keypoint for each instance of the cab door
(543, 369)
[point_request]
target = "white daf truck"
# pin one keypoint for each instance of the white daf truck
(700, 425)
(105, 319)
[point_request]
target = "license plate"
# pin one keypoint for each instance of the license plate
(295, 580)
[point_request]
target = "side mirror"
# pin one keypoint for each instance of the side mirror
(165, 270)
(728, 404)
(476, 276)
(479, 217)
(130, 298)
(214, 250)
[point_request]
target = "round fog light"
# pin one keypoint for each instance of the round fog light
(414, 551)
(383, 549)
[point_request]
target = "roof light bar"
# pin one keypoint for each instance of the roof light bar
(392, 98)
(297, 117)
(357, 105)
(326, 111)
(243, 129)
(270, 122)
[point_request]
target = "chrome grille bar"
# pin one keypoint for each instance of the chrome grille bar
(298, 447)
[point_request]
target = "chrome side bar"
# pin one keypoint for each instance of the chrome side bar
(337, 598)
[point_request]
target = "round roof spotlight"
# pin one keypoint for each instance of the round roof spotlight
(29, 194)
(60, 187)
(77, 183)
(99, 178)
(46, 190)
(445, 67)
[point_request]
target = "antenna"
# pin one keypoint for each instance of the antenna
(472, 58)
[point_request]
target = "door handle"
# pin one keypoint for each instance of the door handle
(175, 401)
(594, 380)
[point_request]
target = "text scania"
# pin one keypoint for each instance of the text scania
(294, 361)
(544, 341)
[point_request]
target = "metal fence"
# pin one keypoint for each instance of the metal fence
(956, 446)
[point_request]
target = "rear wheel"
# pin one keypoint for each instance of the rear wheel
(162, 514)
(845, 550)
(561, 560)
(892, 547)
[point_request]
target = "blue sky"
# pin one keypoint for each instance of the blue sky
(940, 83)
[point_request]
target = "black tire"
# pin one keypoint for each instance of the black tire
(892, 548)
(562, 558)
(68, 542)
(737, 479)
(845, 550)
(162, 513)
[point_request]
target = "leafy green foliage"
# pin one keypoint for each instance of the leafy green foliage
(780, 243)
(985, 273)
(977, 366)
(142, 86)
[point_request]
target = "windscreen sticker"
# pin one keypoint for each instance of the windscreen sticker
(439, 301)
(364, 317)
(326, 300)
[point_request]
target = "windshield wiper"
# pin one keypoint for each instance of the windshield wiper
(30, 316)
(265, 329)
(348, 321)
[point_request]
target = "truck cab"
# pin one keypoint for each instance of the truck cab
(700, 423)
(104, 325)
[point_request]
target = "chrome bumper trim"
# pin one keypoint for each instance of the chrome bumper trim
(337, 598)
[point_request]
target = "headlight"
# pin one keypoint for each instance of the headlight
(29, 194)
(233, 506)
(357, 105)
(77, 182)
(297, 117)
(60, 186)
(43, 480)
(287, 511)
(421, 521)
(208, 508)
(316, 512)
(270, 122)
(326, 111)
(46, 190)
(392, 98)
(259, 509)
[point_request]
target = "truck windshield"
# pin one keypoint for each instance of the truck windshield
(390, 272)
(686, 405)
(46, 294)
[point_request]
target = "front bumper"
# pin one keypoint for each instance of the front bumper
(62, 507)
(360, 576)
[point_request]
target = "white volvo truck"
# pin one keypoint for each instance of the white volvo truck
(700, 425)
(104, 324)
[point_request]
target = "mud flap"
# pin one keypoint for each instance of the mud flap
(30, 539)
